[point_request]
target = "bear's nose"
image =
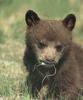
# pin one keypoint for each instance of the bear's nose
(50, 61)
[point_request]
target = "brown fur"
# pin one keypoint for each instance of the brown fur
(69, 77)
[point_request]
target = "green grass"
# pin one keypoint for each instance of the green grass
(2, 37)
(12, 30)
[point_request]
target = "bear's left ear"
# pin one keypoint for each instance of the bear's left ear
(69, 22)
(31, 18)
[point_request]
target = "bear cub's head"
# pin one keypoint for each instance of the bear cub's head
(49, 39)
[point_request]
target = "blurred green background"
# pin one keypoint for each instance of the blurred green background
(12, 31)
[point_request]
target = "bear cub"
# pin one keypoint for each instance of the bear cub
(53, 60)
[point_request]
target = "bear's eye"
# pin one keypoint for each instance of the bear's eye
(41, 44)
(59, 47)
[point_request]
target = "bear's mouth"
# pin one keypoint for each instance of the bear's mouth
(45, 69)
(44, 64)
(47, 63)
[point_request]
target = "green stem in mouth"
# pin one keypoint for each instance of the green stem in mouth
(49, 75)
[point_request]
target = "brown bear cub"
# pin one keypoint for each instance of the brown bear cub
(54, 61)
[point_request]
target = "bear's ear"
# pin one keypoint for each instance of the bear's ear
(69, 21)
(31, 18)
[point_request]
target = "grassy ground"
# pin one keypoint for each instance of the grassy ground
(12, 29)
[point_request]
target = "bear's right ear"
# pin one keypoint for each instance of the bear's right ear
(69, 21)
(31, 18)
